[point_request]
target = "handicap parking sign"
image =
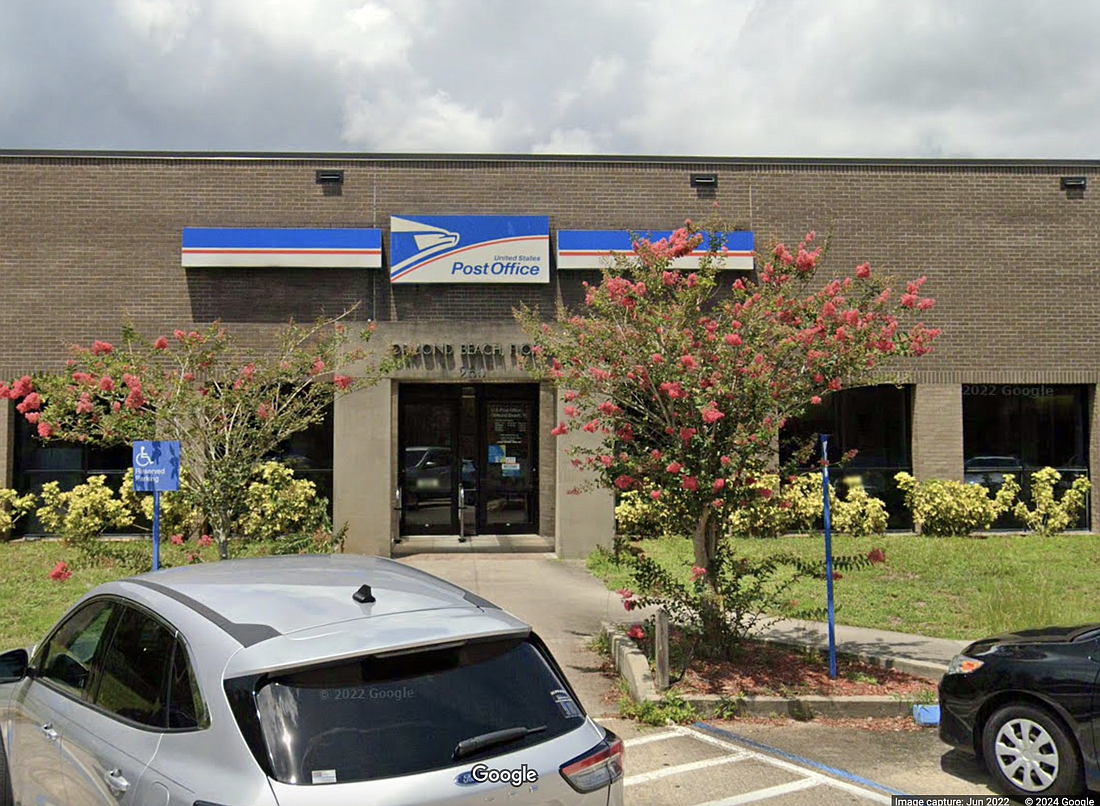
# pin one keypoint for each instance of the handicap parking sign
(156, 466)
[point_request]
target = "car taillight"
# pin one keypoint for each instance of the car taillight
(600, 766)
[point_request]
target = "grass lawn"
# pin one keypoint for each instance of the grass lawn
(33, 601)
(961, 588)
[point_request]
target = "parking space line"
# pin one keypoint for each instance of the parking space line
(763, 794)
(652, 737)
(705, 733)
(665, 772)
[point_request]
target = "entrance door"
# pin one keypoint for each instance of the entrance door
(469, 459)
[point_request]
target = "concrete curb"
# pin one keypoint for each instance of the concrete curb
(633, 665)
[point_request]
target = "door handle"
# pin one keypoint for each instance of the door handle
(51, 734)
(115, 781)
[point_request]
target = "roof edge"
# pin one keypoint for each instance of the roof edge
(554, 159)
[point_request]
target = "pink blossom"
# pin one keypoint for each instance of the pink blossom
(687, 434)
(570, 396)
(176, 540)
(205, 541)
(719, 484)
(194, 336)
(725, 460)
(116, 407)
(834, 385)
(657, 358)
(697, 572)
(863, 271)
(82, 377)
(608, 408)
(84, 405)
(45, 430)
(160, 344)
(625, 593)
(101, 347)
(180, 335)
(908, 300)
(624, 482)
(264, 411)
(135, 400)
(656, 454)
(341, 382)
(734, 340)
(636, 632)
(317, 368)
(559, 430)
(606, 460)
(31, 402)
(629, 604)
(21, 388)
(591, 426)
(60, 572)
(689, 483)
(717, 503)
(925, 304)
(711, 414)
(655, 495)
(815, 400)
(32, 417)
(570, 411)
(688, 362)
(764, 492)
(674, 467)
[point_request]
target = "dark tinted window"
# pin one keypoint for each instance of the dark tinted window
(135, 670)
(185, 706)
(345, 723)
(66, 659)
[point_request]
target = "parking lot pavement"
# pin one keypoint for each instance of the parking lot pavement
(789, 765)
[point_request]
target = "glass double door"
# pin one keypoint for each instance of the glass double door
(469, 459)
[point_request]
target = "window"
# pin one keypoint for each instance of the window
(1020, 429)
(873, 421)
(346, 720)
(146, 677)
(66, 658)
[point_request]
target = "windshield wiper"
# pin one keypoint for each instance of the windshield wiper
(475, 744)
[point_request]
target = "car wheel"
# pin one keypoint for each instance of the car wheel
(6, 798)
(1028, 752)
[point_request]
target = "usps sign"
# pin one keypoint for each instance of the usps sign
(469, 249)
(156, 466)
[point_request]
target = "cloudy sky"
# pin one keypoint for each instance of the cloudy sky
(863, 78)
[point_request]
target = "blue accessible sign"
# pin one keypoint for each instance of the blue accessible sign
(156, 471)
(156, 467)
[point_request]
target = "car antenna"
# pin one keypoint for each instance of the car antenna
(363, 595)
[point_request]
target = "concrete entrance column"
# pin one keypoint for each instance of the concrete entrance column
(937, 431)
(583, 521)
(363, 468)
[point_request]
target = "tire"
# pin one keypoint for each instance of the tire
(6, 798)
(1028, 752)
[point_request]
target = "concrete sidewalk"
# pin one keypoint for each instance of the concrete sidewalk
(566, 605)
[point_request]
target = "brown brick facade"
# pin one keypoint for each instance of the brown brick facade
(1011, 258)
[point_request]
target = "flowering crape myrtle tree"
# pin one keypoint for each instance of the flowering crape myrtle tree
(687, 386)
(227, 411)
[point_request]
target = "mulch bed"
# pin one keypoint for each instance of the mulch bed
(772, 670)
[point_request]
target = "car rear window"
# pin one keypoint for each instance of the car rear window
(382, 717)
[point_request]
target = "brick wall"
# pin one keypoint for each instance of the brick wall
(87, 238)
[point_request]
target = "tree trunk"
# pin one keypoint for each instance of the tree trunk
(705, 542)
(221, 536)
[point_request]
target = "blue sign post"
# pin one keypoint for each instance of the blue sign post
(828, 556)
(156, 470)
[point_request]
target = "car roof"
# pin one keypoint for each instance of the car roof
(298, 609)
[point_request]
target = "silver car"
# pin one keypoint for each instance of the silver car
(296, 680)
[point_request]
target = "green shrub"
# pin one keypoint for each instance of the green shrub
(13, 507)
(859, 514)
(83, 513)
(1050, 516)
(279, 504)
(954, 509)
(638, 514)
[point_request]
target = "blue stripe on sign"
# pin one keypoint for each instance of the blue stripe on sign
(600, 241)
(817, 765)
(249, 239)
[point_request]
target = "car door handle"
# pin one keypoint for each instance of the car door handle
(115, 781)
(51, 734)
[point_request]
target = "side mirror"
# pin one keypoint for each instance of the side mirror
(13, 665)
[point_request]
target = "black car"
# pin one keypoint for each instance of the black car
(1028, 704)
